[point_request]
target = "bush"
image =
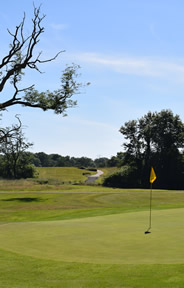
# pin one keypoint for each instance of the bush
(23, 170)
(92, 169)
(27, 171)
(127, 177)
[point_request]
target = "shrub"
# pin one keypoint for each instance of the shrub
(127, 177)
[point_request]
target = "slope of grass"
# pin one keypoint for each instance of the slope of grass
(63, 174)
(54, 178)
(48, 178)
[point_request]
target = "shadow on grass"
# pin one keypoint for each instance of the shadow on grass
(25, 199)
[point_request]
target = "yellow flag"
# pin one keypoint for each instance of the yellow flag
(152, 175)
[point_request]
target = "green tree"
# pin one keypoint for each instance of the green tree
(101, 162)
(44, 159)
(156, 140)
(15, 162)
(168, 140)
(34, 160)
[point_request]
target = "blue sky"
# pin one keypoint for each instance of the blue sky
(132, 52)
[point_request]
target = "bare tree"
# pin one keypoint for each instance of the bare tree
(10, 132)
(21, 57)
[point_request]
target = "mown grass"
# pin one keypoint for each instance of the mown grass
(92, 201)
(28, 201)
(63, 174)
(112, 239)
(19, 271)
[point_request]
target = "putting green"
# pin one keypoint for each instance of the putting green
(113, 239)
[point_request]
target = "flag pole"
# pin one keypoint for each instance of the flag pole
(147, 231)
(150, 207)
(152, 179)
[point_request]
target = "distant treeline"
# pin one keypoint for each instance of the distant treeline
(42, 159)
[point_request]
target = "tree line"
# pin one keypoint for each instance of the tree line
(16, 161)
(42, 159)
(155, 140)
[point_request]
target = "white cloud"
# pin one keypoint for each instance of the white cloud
(59, 27)
(137, 65)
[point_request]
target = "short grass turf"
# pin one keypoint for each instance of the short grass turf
(18, 271)
(89, 202)
(89, 215)
(112, 239)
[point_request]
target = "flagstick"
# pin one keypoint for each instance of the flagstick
(150, 205)
(150, 211)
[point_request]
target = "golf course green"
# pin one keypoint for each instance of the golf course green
(54, 235)
(110, 239)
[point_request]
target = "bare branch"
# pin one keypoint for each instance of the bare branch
(20, 43)
(20, 57)
(49, 60)
(10, 133)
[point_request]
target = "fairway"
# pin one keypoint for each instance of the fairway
(111, 239)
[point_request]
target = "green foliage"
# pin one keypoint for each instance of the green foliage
(156, 140)
(126, 177)
(101, 162)
(42, 159)
(58, 100)
(15, 161)
(22, 168)
(116, 161)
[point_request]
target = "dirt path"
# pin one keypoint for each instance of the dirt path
(92, 178)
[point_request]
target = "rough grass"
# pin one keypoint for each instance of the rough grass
(48, 178)
(53, 179)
